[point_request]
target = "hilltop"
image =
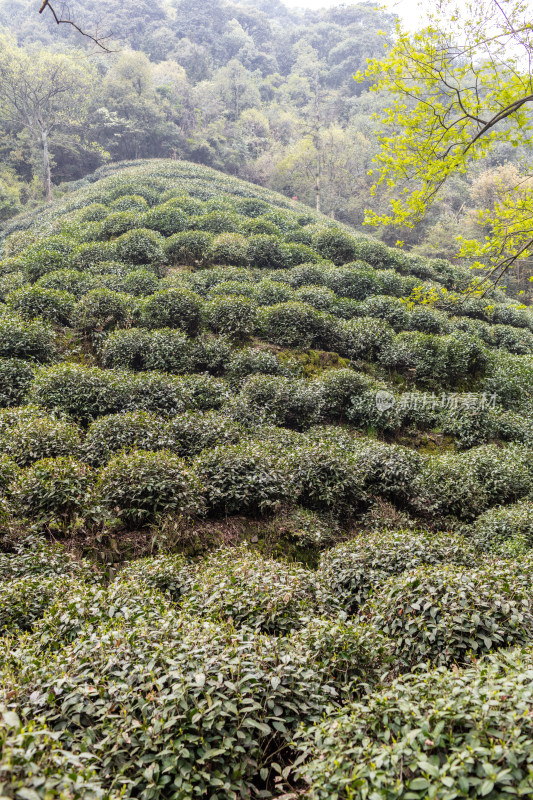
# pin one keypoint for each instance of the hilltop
(308, 458)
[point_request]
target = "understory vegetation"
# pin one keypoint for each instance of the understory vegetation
(265, 505)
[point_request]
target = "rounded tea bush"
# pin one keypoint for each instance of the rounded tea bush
(52, 492)
(139, 485)
(232, 316)
(356, 570)
(327, 478)
(282, 401)
(447, 614)
(131, 430)
(16, 376)
(168, 218)
(291, 324)
(102, 310)
(32, 341)
(168, 574)
(365, 338)
(172, 308)
(36, 439)
(242, 586)
(335, 245)
(166, 349)
(442, 724)
(250, 361)
(338, 388)
(190, 433)
(140, 283)
(229, 248)
(189, 247)
(268, 252)
(68, 280)
(242, 478)
(140, 246)
(505, 530)
(8, 470)
(52, 305)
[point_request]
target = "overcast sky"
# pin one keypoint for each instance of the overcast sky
(408, 10)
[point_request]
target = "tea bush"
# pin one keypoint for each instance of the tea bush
(16, 376)
(505, 530)
(268, 252)
(282, 401)
(189, 247)
(33, 341)
(327, 478)
(8, 470)
(140, 246)
(357, 570)
(36, 439)
(365, 338)
(52, 492)
(291, 325)
(233, 316)
(140, 283)
(68, 280)
(24, 600)
(252, 591)
(449, 746)
(120, 222)
(338, 387)
(139, 485)
(444, 614)
(168, 218)
(164, 349)
(250, 361)
(229, 248)
(190, 433)
(335, 245)
(447, 487)
(125, 431)
(242, 478)
(172, 308)
(168, 574)
(52, 305)
(102, 310)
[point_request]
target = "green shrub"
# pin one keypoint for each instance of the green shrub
(11, 283)
(268, 252)
(95, 212)
(270, 292)
(51, 304)
(140, 246)
(129, 202)
(505, 530)
(505, 473)
(242, 478)
(52, 492)
(8, 470)
(251, 207)
(338, 387)
(242, 586)
(210, 354)
(291, 325)
(201, 392)
(355, 281)
(36, 439)
(282, 401)
(319, 297)
(335, 245)
(391, 470)
(428, 320)
(189, 248)
(125, 431)
(376, 409)
(471, 425)
(305, 275)
(172, 308)
(168, 218)
(140, 283)
(357, 570)
(33, 341)
(120, 222)
(229, 248)
(68, 280)
(102, 310)
(446, 486)
(440, 723)
(16, 376)
(165, 349)
(190, 433)
(168, 574)
(510, 380)
(444, 614)
(46, 255)
(24, 601)
(326, 478)
(139, 485)
(250, 361)
(365, 338)
(232, 288)
(233, 316)
(216, 222)
(389, 309)
(34, 556)
(87, 256)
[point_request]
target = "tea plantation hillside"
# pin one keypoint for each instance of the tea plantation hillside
(266, 493)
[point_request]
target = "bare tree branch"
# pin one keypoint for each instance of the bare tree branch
(99, 41)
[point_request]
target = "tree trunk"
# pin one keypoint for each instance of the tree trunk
(47, 170)
(318, 184)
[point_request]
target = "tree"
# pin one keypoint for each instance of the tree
(459, 88)
(43, 93)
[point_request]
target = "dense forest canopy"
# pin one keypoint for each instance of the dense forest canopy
(253, 88)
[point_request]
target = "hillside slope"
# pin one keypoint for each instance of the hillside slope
(198, 370)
